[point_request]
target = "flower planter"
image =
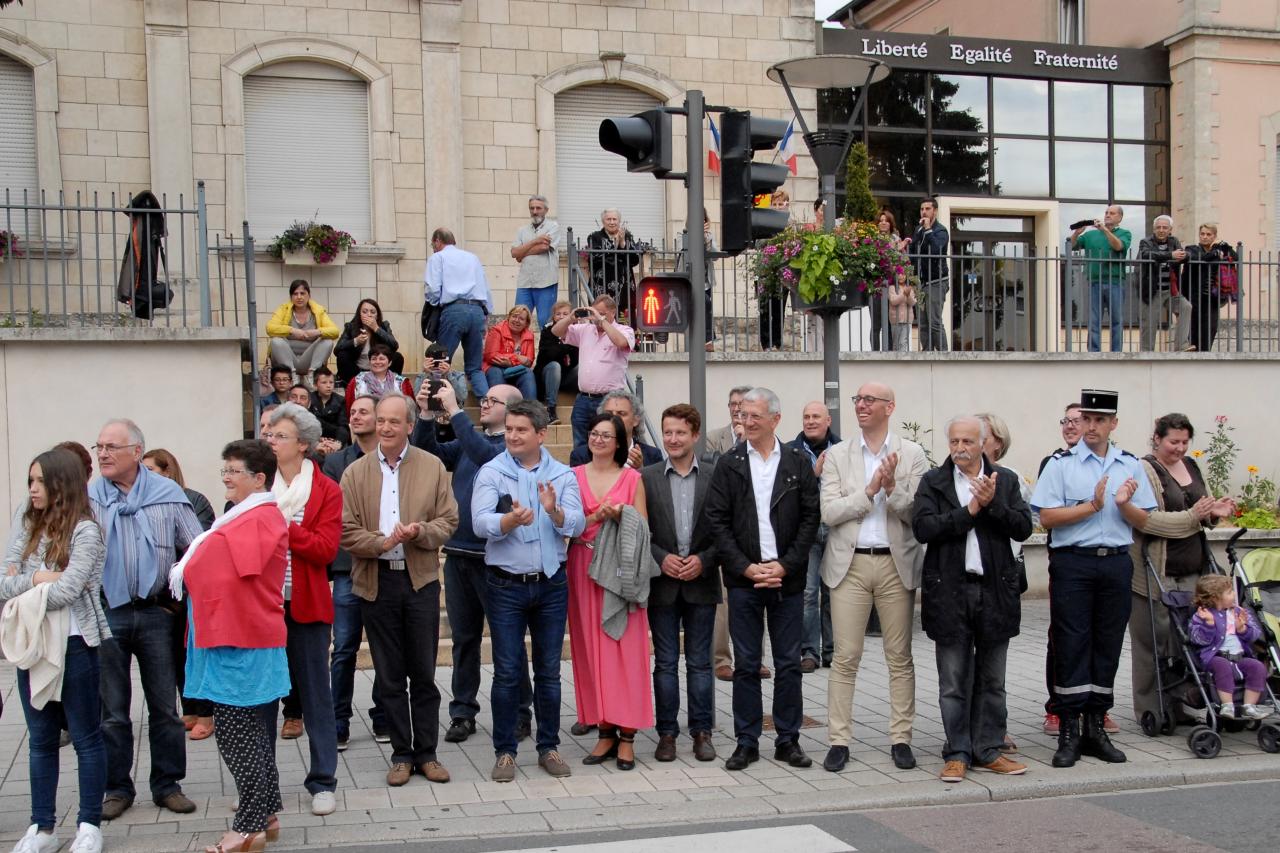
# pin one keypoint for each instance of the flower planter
(303, 258)
(845, 296)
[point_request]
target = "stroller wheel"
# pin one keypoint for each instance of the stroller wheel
(1204, 742)
(1150, 726)
(1269, 737)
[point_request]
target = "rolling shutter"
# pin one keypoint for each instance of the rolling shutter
(306, 153)
(18, 143)
(589, 179)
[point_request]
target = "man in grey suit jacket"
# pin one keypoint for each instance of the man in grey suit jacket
(720, 441)
(872, 558)
(688, 590)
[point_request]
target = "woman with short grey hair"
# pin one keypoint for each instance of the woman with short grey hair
(311, 504)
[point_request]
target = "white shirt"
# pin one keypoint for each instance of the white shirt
(972, 553)
(389, 507)
(874, 531)
(454, 274)
(763, 473)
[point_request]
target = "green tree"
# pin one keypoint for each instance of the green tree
(859, 204)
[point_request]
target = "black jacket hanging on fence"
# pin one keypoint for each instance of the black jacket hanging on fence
(139, 285)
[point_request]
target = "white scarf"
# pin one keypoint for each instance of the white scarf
(254, 500)
(293, 497)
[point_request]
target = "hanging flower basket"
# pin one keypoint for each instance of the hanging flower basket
(847, 295)
(828, 271)
(311, 244)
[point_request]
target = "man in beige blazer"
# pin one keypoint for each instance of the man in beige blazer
(868, 484)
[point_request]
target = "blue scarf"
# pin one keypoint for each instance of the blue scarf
(542, 531)
(149, 489)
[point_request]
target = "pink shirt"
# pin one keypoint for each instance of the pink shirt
(602, 367)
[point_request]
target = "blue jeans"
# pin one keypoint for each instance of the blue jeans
(817, 642)
(144, 633)
(307, 647)
(348, 628)
(539, 300)
(971, 692)
(555, 378)
(81, 709)
(585, 407)
(465, 324)
(749, 611)
(541, 608)
(466, 583)
(523, 380)
(664, 623)
(1111, 295)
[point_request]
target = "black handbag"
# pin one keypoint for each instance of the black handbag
(431, 321)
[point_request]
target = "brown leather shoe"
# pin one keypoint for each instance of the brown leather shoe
(291, 730)
(434, 771)
(666, 750)
(399, 774)
(176, 802)
(703, 749)
(764, 672)
(115, 805)
(555, 766)
(724, 672)
(808, 665)
(1005, 767)
(953, 771)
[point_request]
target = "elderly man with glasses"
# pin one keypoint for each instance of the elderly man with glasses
(872, 559)
(465, 575)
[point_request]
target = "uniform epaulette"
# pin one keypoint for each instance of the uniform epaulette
(1127, 453)
(1060, 452)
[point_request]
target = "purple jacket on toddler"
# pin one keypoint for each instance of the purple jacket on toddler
(1208, 638)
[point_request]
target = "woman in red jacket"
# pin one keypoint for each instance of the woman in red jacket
(311, 504)
(508, 353)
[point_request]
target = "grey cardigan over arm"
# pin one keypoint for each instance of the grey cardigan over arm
(622, 563)
(79, 585)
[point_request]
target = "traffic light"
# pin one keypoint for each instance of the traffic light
(644, 139)
(663, 303)
(742, 179)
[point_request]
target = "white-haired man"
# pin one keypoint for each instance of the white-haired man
(1159, 255)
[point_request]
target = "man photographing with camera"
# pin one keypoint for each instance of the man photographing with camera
(604, 348)
(1105, 247)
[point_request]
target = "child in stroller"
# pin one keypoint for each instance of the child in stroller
(1222, 633)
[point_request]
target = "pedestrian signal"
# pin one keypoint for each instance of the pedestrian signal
(663, 303)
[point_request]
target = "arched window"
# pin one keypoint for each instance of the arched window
(306, 148)
(588, 178)
(18, 171)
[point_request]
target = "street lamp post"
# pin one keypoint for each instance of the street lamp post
(829, 148)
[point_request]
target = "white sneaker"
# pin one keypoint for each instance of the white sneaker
(323, 803)
(1227, 711)
(88, 839)
(36, 841)
(1256, 712)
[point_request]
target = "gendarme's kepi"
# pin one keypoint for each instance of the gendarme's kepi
(1104, 402)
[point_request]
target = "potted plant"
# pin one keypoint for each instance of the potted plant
(311, 244)
(827, 271)
(9, 246)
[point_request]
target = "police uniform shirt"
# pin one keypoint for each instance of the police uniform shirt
(1070, 479)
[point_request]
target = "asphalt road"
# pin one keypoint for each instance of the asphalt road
(1196, 819)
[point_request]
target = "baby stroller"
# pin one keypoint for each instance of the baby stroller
(1181, 682)
(1258, 575)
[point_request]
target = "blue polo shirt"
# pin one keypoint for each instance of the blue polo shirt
(1070, 479)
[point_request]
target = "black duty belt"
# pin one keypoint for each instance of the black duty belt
(1090, 550)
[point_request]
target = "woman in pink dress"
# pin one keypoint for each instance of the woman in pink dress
(611, 678)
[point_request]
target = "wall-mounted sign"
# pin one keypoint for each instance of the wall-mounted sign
(966, 55)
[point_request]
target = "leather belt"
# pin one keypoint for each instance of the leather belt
(1091, 551)
(518, 577)
(593, 396)
(392, 565)
(878, 552)
(479, 302)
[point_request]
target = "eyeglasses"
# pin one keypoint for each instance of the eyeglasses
(229, 472)
(111, 448)
(601, 436)
(755, 418)
(492, 401)
(1065, 421)
(858, 399)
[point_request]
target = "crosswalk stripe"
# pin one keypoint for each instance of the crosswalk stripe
(804, 838)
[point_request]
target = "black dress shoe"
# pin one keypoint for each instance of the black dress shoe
(903, 759)
(580, 729)
(792, 754)
(460, 728)
(524, 728)
(837, 758)
(741, 758)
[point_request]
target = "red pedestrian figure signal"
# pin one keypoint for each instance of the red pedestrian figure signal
(664, 304)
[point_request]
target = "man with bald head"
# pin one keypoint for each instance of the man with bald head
(871, 560)
(815, 437)
(1105, 247)
(966, 512)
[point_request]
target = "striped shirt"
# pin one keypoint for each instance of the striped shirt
(288, 561)
(173, 526)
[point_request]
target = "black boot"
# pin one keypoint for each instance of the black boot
(1095, 741)
(1068, 741)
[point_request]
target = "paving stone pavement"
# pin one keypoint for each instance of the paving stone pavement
(654, 793)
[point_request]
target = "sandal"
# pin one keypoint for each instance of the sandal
(606, 734)
(273, 828)
(202, 729)
(250, 842)
(626, 737)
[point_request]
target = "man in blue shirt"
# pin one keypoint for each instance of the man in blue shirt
(525, 503)
(455, 280)
(1091, 498)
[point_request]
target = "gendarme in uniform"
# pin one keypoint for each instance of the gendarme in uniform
(1089, 573)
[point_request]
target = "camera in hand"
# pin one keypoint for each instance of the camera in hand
(1083, 223)
(581, 312)
(435, 377)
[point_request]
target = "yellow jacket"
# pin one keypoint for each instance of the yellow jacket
(281, 321)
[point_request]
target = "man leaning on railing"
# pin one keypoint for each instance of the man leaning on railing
(1160, 254)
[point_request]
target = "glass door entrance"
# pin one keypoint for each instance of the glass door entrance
(993, 286)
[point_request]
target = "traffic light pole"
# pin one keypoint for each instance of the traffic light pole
(696, 251)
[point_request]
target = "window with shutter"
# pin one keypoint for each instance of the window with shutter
(590, 179)
(306, 140)
(18, 142)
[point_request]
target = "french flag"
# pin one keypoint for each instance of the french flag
(787, 147)
(713, 153)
